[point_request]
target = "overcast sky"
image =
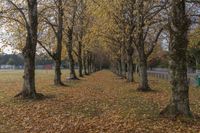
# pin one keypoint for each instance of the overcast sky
(7, 49)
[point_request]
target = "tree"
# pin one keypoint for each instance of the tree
(70, 37)
(56, 25)
(80, 35)
(125, 20)
(120, 35)
(178, 29)
(59, 36)
(140, 25)
(148, 22)
(29, 50)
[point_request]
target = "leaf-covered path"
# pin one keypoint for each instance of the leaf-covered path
(101, 102)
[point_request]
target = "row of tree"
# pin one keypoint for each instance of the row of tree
(17, 60)
(34, 26)
(138, 27)
(103, 33)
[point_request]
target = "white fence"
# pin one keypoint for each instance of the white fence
(166, 76)
(7, 67)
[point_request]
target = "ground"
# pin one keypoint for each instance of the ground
(101, 102)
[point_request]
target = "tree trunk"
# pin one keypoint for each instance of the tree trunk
(179, 105)
(143, 86)
(28, 90)
(119, 67)
(130, 68)
(123, 62)
(80, 63)
(140, 46)
(85, 63)
(123, 69)
(93, 63)
(88, 63)
(137, 68)
(59, 37)
(130, 51)
(57, 77)
(71, 59)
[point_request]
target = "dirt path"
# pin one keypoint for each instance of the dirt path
(100, 103)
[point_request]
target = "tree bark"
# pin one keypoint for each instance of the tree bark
(143, 86)
(59, 37)
(57, 77)
(94, 63)
(91, 57)
(80, 62)
(179, 25)
(130, 52)
(28, 90)
(123, 62)
(130, 68)
(85, 63)
(119, 67)
(88, 63)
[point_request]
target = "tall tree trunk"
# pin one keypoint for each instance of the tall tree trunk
(57, 77)
(80, 36)
(85, 63)
(119, 67)
(28, 90)
(140, 46)
(143, 86)
(88, 63)
(80, 63)
(70, 50)
(123, 62)
(93, 63)
(91, 56)
(130, 52)
(179, 105)
(130, 68)
(116, 68)
(59, 37)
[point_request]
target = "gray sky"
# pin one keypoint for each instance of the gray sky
(7, 49)
(4, 35)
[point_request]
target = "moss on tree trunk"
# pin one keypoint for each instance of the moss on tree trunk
(179, 104)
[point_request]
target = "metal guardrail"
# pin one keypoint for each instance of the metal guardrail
(166, 76)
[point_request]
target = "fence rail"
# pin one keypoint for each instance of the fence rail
(166, 76)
